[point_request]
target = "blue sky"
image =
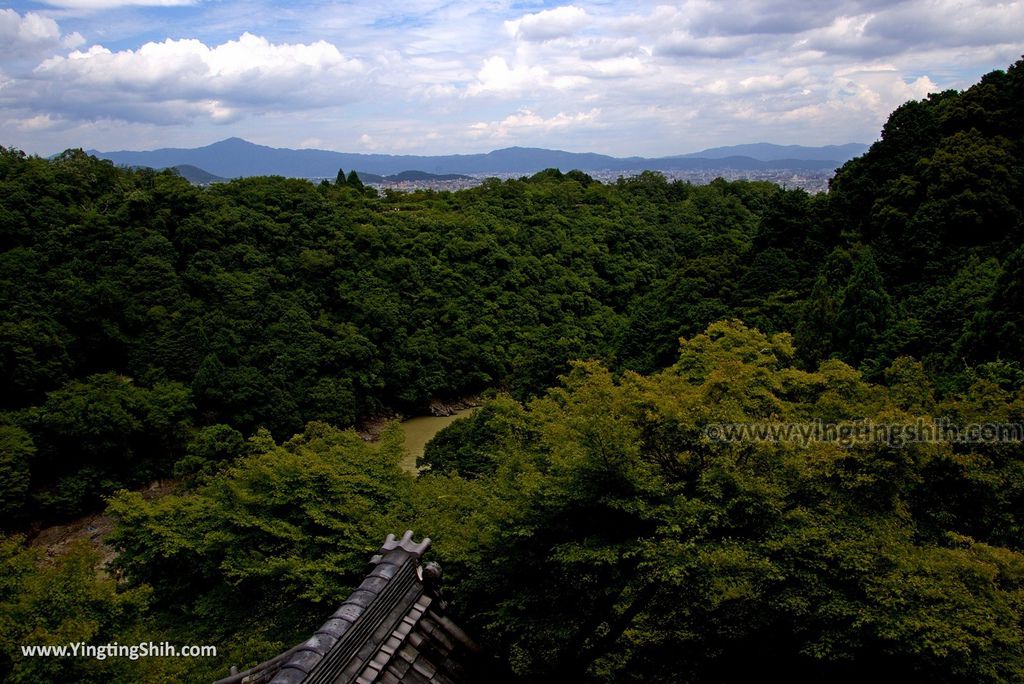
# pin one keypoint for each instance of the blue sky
(449, 76)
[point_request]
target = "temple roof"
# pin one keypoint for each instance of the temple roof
(391, 629)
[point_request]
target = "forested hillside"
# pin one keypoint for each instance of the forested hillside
(589, 528)
(140, 310)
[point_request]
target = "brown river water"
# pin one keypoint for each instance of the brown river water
(420, 430)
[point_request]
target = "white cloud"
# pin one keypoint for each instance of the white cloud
(72, 40)
(843, 35)
(113, 4)
(618, 67)
(549, 24)
(683, 44)
(28, 35)
(438, 90)
(847, 98)
(659, 20)
(948, 23)
(526, 120)
(796, 79)
(496, 76)
(603, 48)
(367, 142)
(769, 18)
(39, 122)
(179, 80)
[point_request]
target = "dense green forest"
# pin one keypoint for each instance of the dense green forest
(588, 527)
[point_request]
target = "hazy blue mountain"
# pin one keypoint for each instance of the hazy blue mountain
(742, 164)
(769, 152)
(198, 176)
(370, 177)
(235, 157)
(194, 174)
(409, 176)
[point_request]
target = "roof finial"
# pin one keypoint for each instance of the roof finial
(406, 544)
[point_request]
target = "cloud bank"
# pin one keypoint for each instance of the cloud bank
(179, 80)
(451, 75)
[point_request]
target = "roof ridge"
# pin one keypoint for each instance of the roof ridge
(390, 628)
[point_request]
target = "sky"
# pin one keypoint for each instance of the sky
(456, 76)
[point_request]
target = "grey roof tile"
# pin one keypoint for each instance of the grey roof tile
(373, 584)
(391, 645)
(348, 611)
(415, 639)
(319, 643)
(380, 661)
(424, 667)
(428, 625)
(327, 639)
(361, 598)
(385, 570)
(305, 660)
(408, 653)
(288, 675)
(442, 640)
(389, 630)
(402, 630)
(414, 677)
(399, 666)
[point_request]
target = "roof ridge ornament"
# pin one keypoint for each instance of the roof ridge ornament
(406, 544)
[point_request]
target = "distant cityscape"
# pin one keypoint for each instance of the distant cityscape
(790, 166)
(811, 180)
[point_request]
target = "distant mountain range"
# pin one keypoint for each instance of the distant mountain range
(194, 174)
(234, 157)
(406, 176)
(768, 152)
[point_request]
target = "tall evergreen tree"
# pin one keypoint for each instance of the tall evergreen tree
(814, 331)
(998, 330)
(353, 180)
(865, 310)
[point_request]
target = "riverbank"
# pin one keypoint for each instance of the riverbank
(420, 430)
(371, 428)
(56, 539)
